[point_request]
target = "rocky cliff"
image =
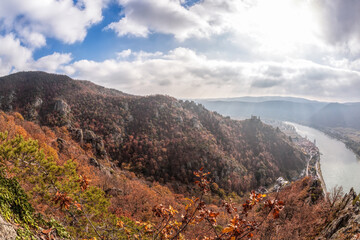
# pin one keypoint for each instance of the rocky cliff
(345, 221)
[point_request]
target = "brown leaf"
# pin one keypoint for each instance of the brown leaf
(46, 231)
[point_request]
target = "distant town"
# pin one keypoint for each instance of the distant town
(308, 147)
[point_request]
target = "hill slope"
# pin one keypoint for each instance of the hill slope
(158, 137)
(337, 115)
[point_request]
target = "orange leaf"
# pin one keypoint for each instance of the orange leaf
(78, 206)
(120, 224)
(46, 231)
(227, 229)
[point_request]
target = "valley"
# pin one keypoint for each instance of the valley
(179, 120)
(339, 165)
(106, 164)
(337, 120)
(351, 137)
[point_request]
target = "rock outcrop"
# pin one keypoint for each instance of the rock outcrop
(7, 231)
(346, 223)
(96, 142)
(62, 107)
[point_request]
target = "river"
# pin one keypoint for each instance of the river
(339, 165)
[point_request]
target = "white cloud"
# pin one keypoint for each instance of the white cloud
(165, 16)
(15, 57)
(12, 54)
(51, 63)
(32, 39)
(124, 54)
(126, 26)
(269, 22)
(184, 73)
(50, 18)
(267, 29)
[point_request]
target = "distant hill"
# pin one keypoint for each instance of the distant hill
(260, 99)
(313, 113)
(337, 115)
(280, 109)
(157, 137)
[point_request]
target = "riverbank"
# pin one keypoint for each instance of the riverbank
(313, 168)
(308, 147)
(350, 137)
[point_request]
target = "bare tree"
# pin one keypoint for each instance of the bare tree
(335, 195)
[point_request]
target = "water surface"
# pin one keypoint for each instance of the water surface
(339, 165)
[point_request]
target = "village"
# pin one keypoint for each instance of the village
(308, 147)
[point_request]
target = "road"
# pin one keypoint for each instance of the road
(321, 179)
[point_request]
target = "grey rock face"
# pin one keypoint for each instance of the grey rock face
(130, 118)
(196, 123)
(78, 135)
(38, 102)
(126, 106)
(62, 107)
(347, 219)
(32, 110)
(96, 142)
(179, 119)
(175, 104)
(62, 112)
(7, 101)
(7, 231)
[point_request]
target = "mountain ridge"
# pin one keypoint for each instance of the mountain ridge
(312, 113)
(157, 136)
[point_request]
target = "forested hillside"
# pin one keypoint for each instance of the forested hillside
(95, 163)
(158, 137)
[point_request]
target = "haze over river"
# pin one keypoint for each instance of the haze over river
(339, 165)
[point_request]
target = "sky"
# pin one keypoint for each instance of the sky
(190, 48)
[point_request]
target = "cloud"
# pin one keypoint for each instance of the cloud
(225, 48)
(184, 73)
(265, 29)
(142, 17)
(124, 54)
(341, 23)
(35, 20)
(51, 63)
(12, 54)
(265, 83)
(32, 39)
(15, 57)
(126, 26)
(277, 20)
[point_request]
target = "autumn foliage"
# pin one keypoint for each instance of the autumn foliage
(118, 166)
(158, 137)
(131, 206)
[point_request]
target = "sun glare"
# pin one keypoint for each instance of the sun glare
(280, 26)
